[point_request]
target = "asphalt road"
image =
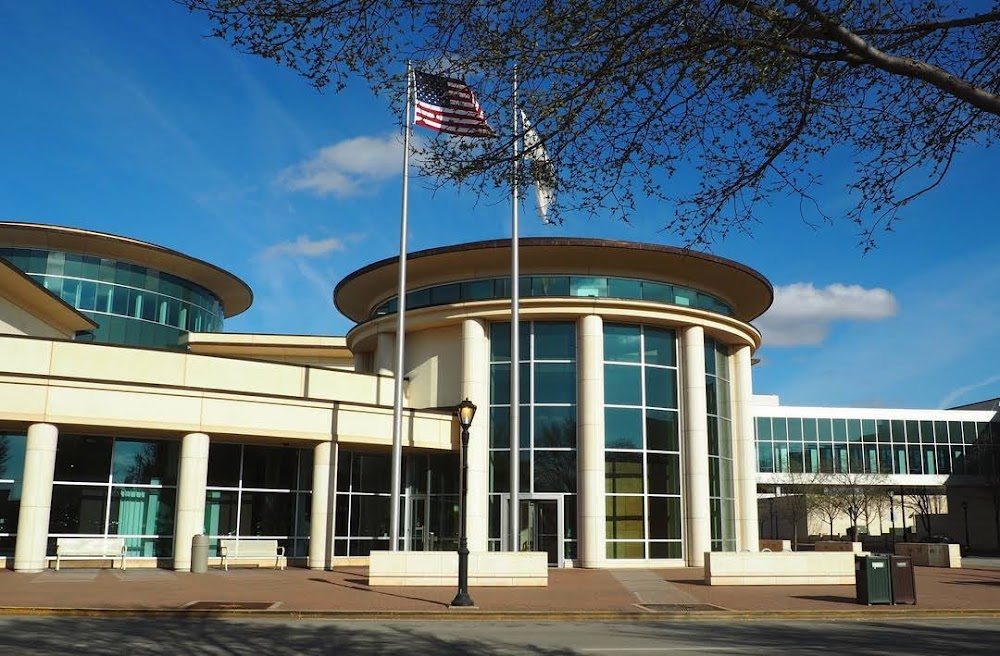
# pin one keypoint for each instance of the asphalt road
(68, 635)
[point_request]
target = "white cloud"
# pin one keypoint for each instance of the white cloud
(347, 168)
(293, 281)
(801, 314)
(956, 394)
(303, 247)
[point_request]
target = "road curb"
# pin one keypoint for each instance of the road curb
(863, 613)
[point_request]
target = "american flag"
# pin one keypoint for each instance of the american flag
(448, 106)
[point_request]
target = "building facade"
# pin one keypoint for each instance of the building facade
(914, 473)
(640, 440)
(636, 434)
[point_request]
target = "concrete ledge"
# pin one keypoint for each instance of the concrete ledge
(929, 554)
(838, 545)
(779, 568)
(440, 568)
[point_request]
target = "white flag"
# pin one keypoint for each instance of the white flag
(542, 170)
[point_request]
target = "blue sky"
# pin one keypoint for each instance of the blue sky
(120, 116)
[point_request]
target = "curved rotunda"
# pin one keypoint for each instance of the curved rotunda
(636, 429)
(136, 293)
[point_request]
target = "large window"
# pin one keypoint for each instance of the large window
(824, 445)
(259, 491)
(106, 486)
(362, 521)
(721, 495)
(131, 304)
(428, 503)
(548, 460)
(641, 442)
(556, 285)
(11, 472)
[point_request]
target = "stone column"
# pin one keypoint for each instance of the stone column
(192, 478)
(745, 453)
(385, 354)
(476, 387)
(36, 498)
(592, 531)
(694, 420)
(324, 505)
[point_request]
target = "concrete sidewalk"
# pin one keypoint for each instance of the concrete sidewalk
(571, 593)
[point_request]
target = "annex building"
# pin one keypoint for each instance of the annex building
(127, 411)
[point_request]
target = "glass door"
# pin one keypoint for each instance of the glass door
(541, 519)
(540, 528)
(417, 535)
(431, 522)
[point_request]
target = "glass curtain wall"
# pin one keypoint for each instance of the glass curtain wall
(548, 458)
(641, 441)
(823, 445)
(105, 486)
(430, 501)
(12, 447)
(555, 286)
(131, 304)
(259, 491)
(362, 513)
(718, 397)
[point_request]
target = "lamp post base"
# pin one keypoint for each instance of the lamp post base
(462, 600)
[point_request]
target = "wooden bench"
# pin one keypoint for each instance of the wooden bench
(90, 548)
(251, 548)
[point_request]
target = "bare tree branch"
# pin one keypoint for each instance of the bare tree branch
(712, 107)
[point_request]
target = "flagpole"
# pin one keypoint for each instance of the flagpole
(515, 348)
(397, 395)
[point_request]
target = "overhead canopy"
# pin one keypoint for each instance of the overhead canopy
(234, 294)
(743, 289)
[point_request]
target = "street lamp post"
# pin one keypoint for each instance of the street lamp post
(466, 411)
(965, 515)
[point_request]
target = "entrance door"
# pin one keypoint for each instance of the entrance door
(540, 528)
(431, 522)
(541, 520)
(417, 534)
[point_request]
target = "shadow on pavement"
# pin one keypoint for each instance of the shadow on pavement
(362, 588)
(259, 638)
(840, 600)
(916, 638)
(38, 635)
(980, 582)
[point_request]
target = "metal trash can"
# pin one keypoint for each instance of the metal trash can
(872, 580)
(199, 554)
(904, 590)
